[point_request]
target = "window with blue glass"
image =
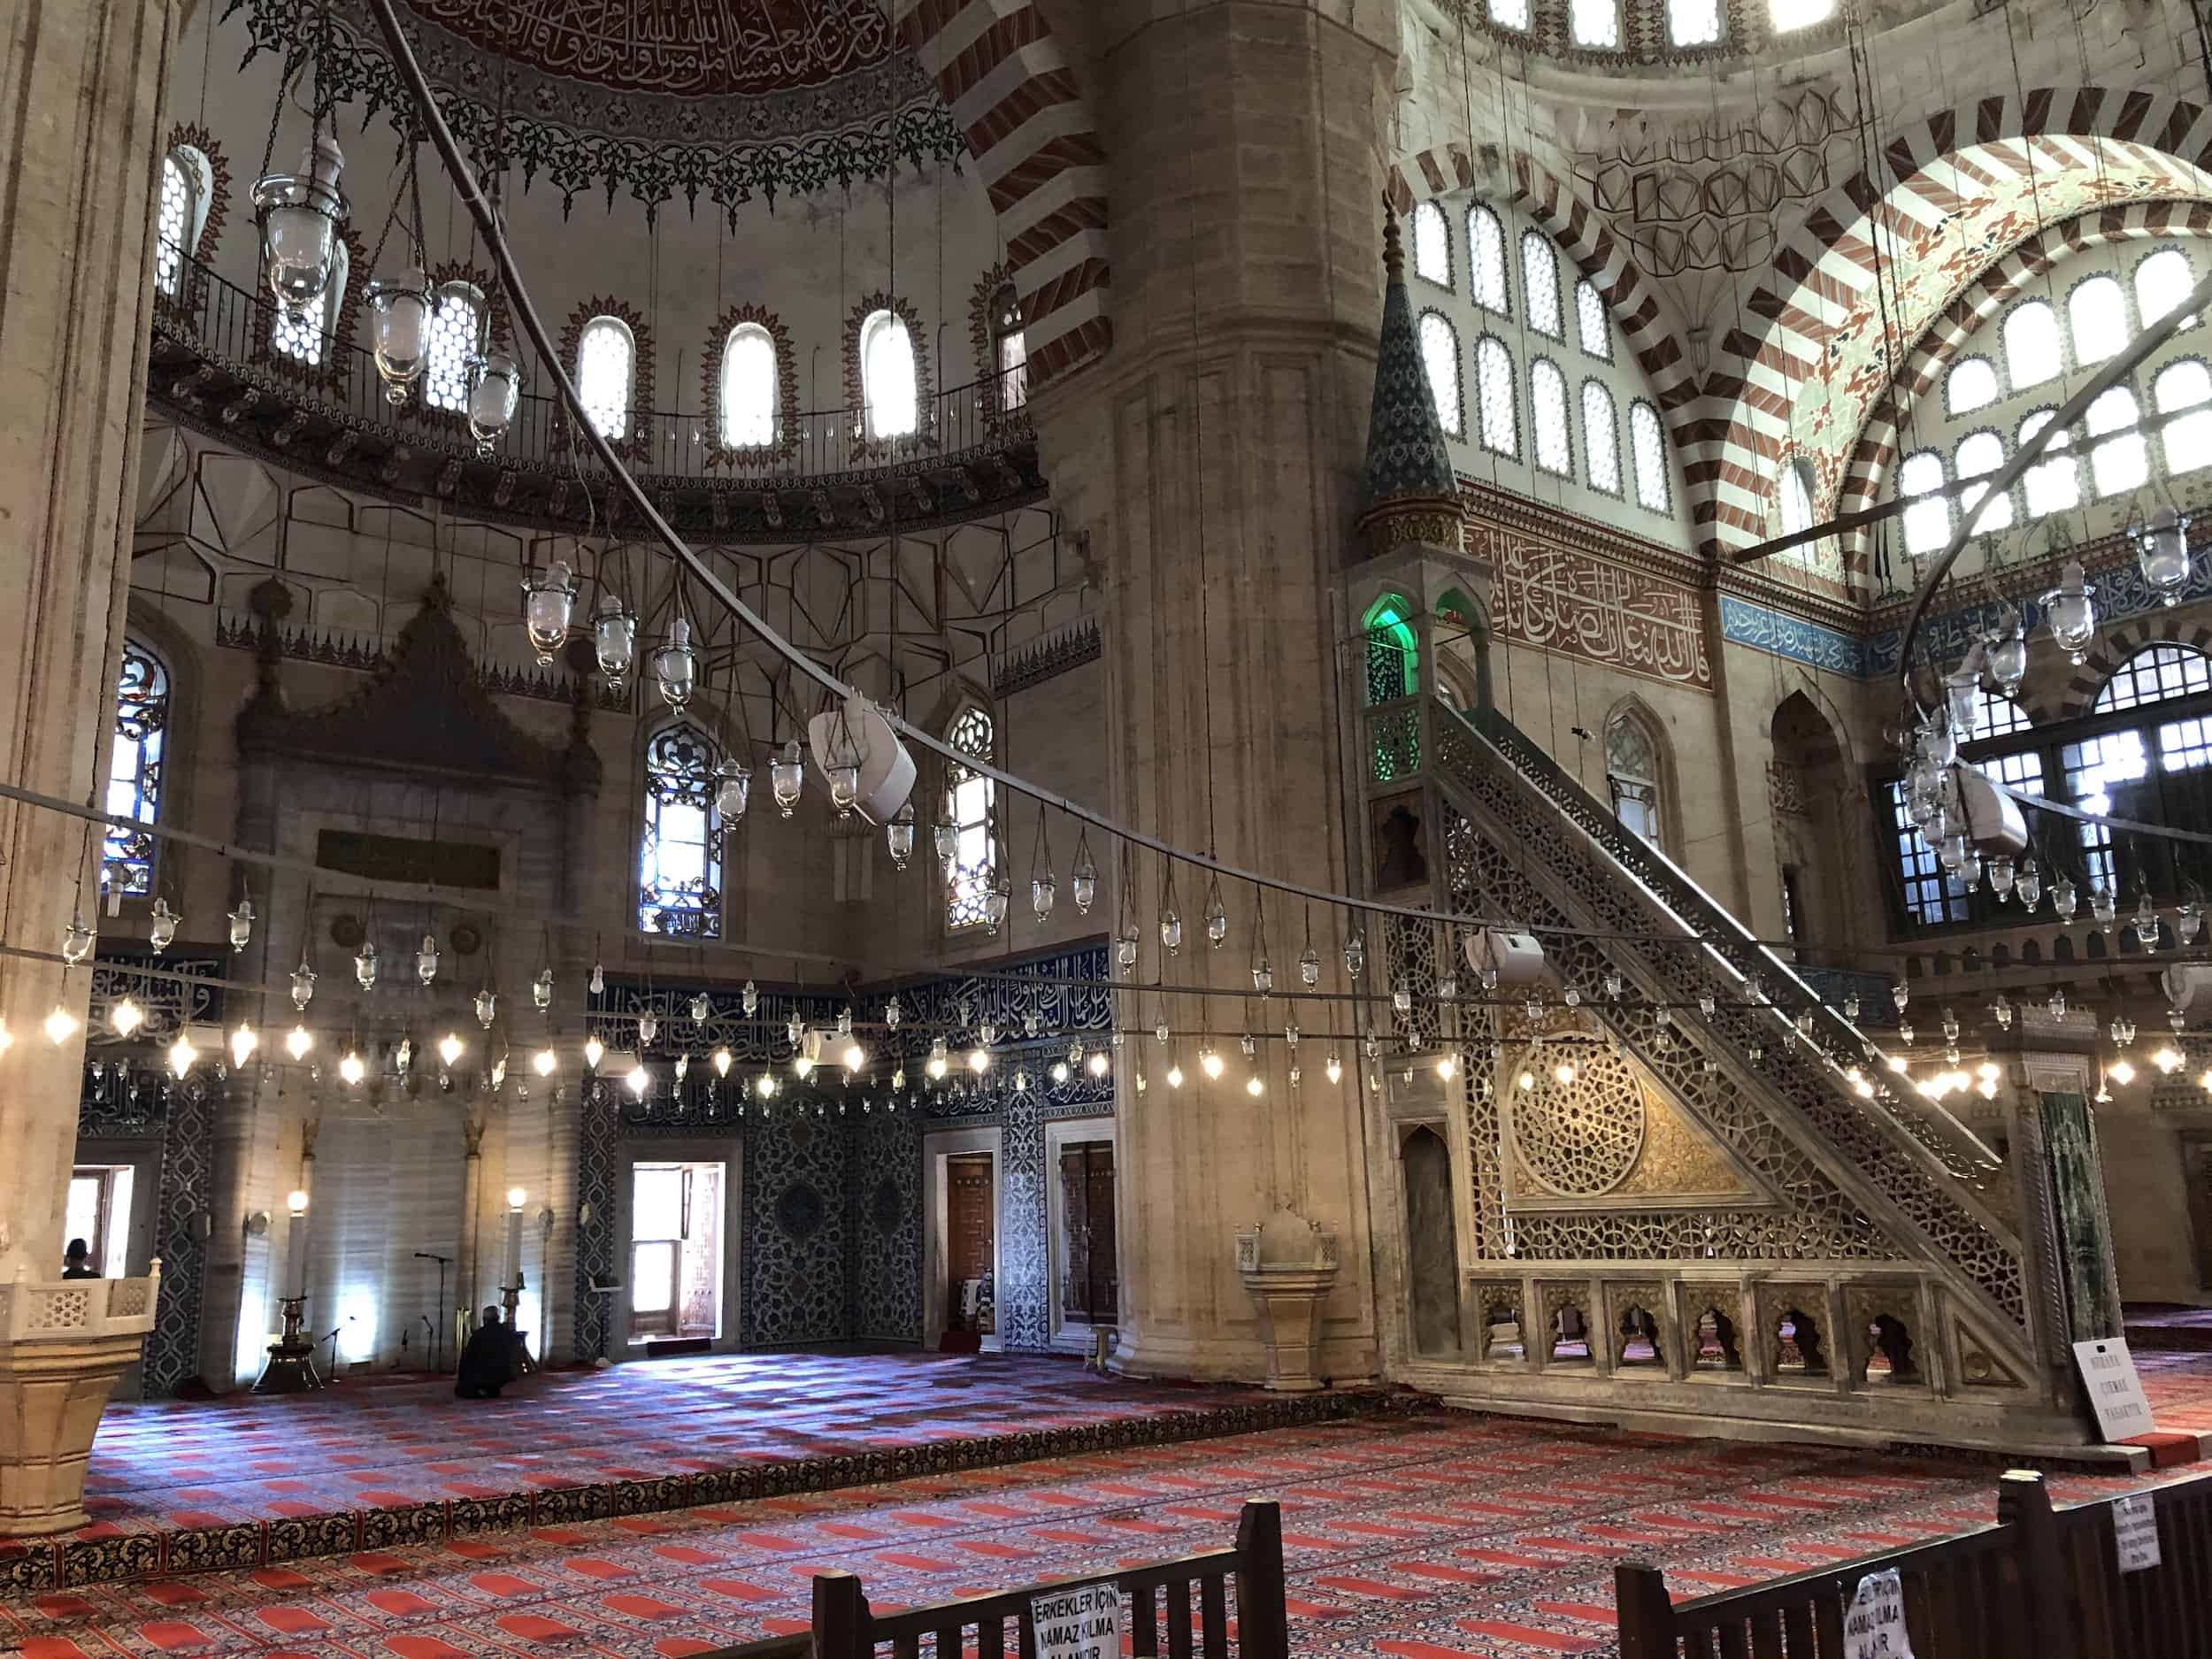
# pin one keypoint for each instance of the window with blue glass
(679, 852)
(142, 732)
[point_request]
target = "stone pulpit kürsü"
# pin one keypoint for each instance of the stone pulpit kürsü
(1289, 1265)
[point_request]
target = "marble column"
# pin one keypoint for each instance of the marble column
(1213, 460)
(81, 140)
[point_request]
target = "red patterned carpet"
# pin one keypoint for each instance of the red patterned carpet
(1422, 1537)
(384, 1445)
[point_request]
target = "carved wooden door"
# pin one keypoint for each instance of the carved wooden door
(969, 1233)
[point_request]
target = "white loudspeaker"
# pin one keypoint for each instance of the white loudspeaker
(1994, 820)
(886, 771)
(1517, 957)
(2189, 989)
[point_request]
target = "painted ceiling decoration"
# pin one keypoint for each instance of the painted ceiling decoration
(780, 97)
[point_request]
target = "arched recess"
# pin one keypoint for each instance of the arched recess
(1952, 194)
(1663, 817)
(1462, 642)
(1391, 664)
(1030, 129)
(1653, 333)
(1808, 789)
(1432, 1242)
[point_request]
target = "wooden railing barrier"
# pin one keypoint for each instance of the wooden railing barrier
(1194, 1589)
(2043, 1583)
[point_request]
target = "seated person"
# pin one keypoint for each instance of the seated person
(76, 1260)
(486, 1364)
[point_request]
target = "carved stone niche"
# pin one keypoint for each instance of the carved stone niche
(1795, 1337)
(1890, 1336)
(1640, 1329)
(1711, 1315)
(1568, 1325)
(1500, 1330)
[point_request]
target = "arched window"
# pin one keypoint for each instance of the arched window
(1394, 654)
(887, 376)
(2053, 483)
(1692, 22)
(1927, 523)
(141, 732)
(1980, 454)
(748, 389)
(1485, 260)
(1970, 385)
(2186, 385)
(1511, 14)
(2162, 283)
(1799, 14)
(606, 360)
(2097, 314)
(1440, 356)
(2118, 459)
(1647, 446)
(1632, 774)
(2031, 354)
(1009, 349)
(1547, 417)
(969, 797)
(2155, 771)
(1595, 23)
(679, 852)
(173, 223)
(457, 338)
(1432, 245)
(1600, 439)
(1593, 323)
(1539, 282)
(1797, 499)
(1493, 391)
(303, 338)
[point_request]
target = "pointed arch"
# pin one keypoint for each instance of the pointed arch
(1394, 652)
(1639, 781)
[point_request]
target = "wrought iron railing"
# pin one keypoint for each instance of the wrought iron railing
(224, 324)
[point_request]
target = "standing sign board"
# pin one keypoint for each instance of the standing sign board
(2116, 1392)
(1082, 1621)
(1874, 1628)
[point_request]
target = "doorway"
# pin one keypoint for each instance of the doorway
(675, 1266)
(963, 1179)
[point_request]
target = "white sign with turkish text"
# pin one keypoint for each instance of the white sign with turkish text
(1080, 1622)
(2116, 1392)
(1874, 1628)
(2135, 1530)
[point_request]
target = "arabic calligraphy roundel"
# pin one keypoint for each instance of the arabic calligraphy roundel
(678, 46)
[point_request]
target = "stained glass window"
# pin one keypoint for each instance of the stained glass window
(2097, 313)
(1493, 386)
(1432, 245)
(1547, 417)
(1596, 23)
(1486, 255)
(2119, 460)
(303, 338)
(1593, 322)
(2031, 354)
(970, 795)
(172, 224)
(1692, 22)
(1394, 660)
(1970, 385)
(1439, 356)
(748, 389)
(605, 358)
(1927, 523)
(887, 379)
(2053, 484)
(679, 854)
(1540, 282)
(2162, 283)
(2188, 441)
(1647, 442)
(1601, 438)
(456, 327)
(1980, 454)
(141, 732)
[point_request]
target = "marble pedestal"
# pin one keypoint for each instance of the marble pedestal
(64, 1345)
(1289, 1267)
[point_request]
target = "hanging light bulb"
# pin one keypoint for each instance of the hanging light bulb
(543, 1062)
(181, 1055)
(795, 1029)
(399, 328)
(1401, 1000)
(495, 389)
(787, 777)
(1098, 1064)
(996, 897)
(1125, 947)
(60, 1025)
(450, 1049)
(2070, 609)
(549, 598)
(1254, 1086)
(1083, 876)
(2006, 651)
(297, 1042)
(1334, 1068)
(161, 931)
(2029, 885)
(1614, 985)
(721, 1062)
(2188, 921)
(939, 1060)
(733, 792)
(427, 959)
(598, 980)
(594, 1051)
(1044, 892)
(853, 1057)
(1170, 930)
(1217, 915)
(2103, 905)
(2162, 553)
(2168, 1060)
(1354, 952)
(350, 1069)
(639, 1080)
(2064, 899)
(1309, 967)
(126, 1017)
(898, 834)
(676, 665)
(2122, 1072)
(1447, 1066)
(649, 1026)
(365, 966)
(76, 941)
(614, 640)
(243, 1041)
(541, 989)
(1850, 1006)
(749, 999)
(1209, 1061)
(893, 1013)
(241, 923)
(2147, 924)
(701, 1006)
(979, 1061)
(1263, 976)
(1159, 1031)
(2057, 1004)
(487, 1006)
(2001, 877)
(298, 214)
(986, 1032)
(2002, 1011)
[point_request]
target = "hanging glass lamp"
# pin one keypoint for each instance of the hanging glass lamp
(733, 792)
(787, 777)
(241, 923)
(548, 597)
(299, 214)
(676, 665)
(614, 640)
(495, 390)
(399, 329)
(898, 834)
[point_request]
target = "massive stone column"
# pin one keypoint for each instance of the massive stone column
(80, 112)
(1213, 458)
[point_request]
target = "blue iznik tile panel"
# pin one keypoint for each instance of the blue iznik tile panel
(1779, 634)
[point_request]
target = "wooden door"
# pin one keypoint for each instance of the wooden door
(1090, 1287)
(970, 1234)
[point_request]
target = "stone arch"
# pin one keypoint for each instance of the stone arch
(1577, 229)
(2113, 650)
(1632, 708)
(1955, 176)
(1012, 88)
(1810, 778)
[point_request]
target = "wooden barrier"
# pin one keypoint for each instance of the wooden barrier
(2041, 1582)
(1192, 1591)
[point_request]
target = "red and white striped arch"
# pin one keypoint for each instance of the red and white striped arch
(1575, 225)
(1014, 95)
(1954, 193)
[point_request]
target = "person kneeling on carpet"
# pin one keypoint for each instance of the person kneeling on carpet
(486, 1365)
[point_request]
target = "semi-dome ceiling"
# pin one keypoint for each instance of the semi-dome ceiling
(678, 46)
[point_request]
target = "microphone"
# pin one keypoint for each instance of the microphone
(430, 1255)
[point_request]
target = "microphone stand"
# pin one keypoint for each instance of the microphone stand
(333, 1339)
(437, 1331)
